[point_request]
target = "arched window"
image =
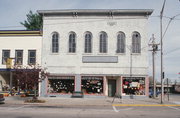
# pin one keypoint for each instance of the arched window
(103, 42)
(55, 42)
(88, 42)
(72, 42)
(136, 43)
(120, 42)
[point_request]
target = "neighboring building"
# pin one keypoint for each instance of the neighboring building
(176, 87)
(99, 52)
(23, 47)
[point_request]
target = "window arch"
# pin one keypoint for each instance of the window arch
(120, 42)
(55, 42)
(72, 42)
(88, 42)
(136, 42)
(103, 42)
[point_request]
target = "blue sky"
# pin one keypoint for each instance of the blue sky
(12, 12)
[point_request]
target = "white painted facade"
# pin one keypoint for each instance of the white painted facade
(18, 40)
(24, 43)
(64, 63)
(71, 63)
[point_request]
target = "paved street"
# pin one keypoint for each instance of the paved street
(89, 108)
(31, 111)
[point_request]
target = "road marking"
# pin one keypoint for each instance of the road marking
(15, 108)
(114, 108)
(155, 105)
(174, 108)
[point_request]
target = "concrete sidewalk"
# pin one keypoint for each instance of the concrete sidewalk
(51, 101)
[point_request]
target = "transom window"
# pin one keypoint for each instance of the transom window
(136, 43)
(55, 42)
(72, 42)
(103, 42)
(120, 42)
(5, 56)
(19, 57)
(88, 42)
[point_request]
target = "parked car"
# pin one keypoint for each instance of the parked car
(2, 98)
(151, 93)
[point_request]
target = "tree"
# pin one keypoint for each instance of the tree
(27, 78)
(33, 22)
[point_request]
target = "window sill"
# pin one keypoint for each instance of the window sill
(54, 53)
(71, 53)
(120, 54)
(102, 54)
(136, 53)
(87, 54)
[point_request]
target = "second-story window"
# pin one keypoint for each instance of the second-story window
(88, 42)
(32, 57)
(19, 57)
(136, 43)
(72, 42)
(5, 56)
(55, 43)
(120, 42)
(103, 42)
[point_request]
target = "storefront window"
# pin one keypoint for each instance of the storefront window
(134, 86)
(92, 85)
(60, 85)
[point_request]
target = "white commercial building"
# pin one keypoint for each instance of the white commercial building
(23, 47)
(98, 52)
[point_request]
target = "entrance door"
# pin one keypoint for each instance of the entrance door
(111, 87)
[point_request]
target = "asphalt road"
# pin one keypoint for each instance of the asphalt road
(38, 111)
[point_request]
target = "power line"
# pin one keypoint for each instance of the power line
(176, 49)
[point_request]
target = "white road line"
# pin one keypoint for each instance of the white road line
(15, 108)
(114, 108)
(174, 108)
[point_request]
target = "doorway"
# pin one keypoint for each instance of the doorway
(111, 87)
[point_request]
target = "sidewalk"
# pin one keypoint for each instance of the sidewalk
(89, 101)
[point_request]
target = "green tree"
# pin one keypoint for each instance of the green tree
(33, 22)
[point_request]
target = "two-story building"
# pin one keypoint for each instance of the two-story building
(100, 52)
(23, 48)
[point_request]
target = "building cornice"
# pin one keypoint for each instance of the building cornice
(20, 33)
(96, 12)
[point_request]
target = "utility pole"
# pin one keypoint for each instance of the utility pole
(161, 35)
(168, 88)
(131, 62)
(154, 49)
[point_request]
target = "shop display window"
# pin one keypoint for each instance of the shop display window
(92, 85)
(134, 86)
(63, 85)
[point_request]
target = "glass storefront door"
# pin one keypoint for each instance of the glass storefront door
(111, 87)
